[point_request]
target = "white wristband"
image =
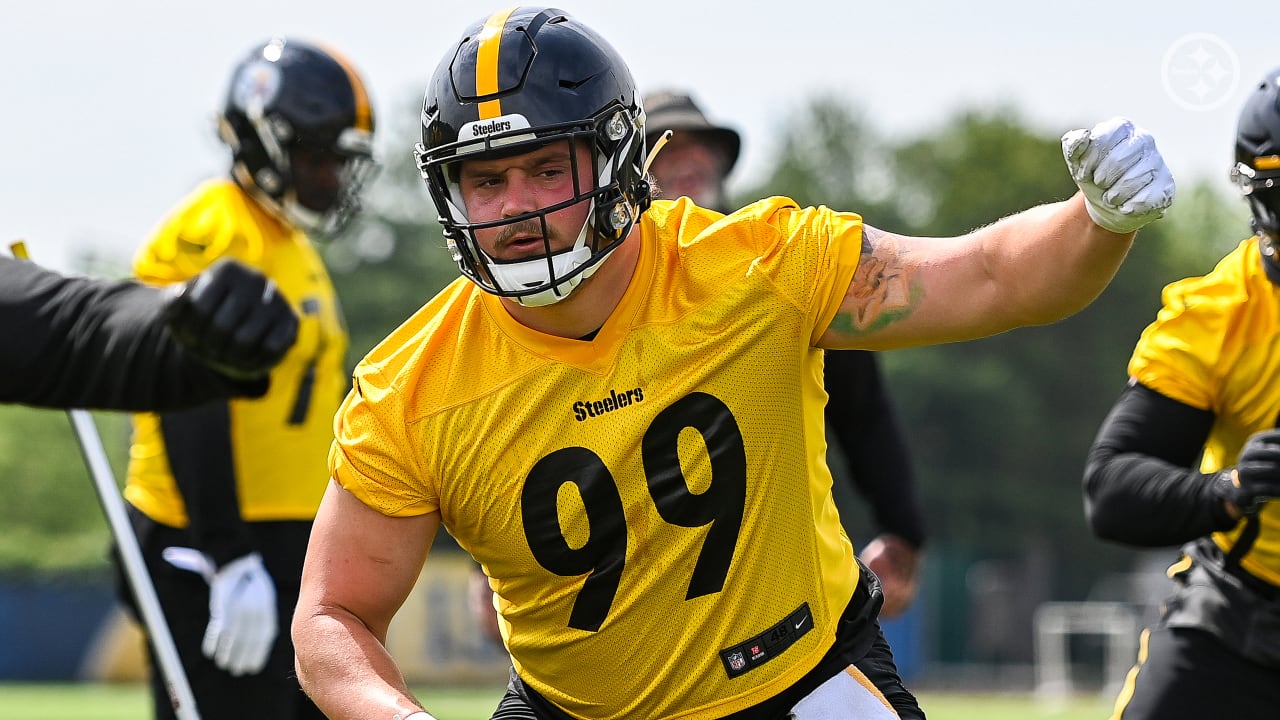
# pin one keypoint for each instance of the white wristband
(420, 715)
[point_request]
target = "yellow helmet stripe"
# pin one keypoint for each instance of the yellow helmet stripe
(1267, 162)
(364, 111)
(490, 41)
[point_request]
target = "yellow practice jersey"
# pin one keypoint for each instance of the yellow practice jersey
(653, 506)
(1212, 346)
(280, 440)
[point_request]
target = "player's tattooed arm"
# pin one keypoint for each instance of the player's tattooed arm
(881, 292)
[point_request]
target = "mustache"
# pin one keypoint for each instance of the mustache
(524, 227)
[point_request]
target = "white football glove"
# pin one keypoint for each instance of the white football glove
(242, 609)
(1125, 181)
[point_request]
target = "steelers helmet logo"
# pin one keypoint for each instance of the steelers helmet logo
(257, 85)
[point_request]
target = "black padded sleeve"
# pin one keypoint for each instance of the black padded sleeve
(865, 426)
(80, 342)
(1140, 483)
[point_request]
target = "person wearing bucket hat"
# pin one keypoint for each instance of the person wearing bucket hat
(696, 162)
(697, 158)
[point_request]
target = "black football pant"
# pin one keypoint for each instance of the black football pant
(184, 597)
(1187, 674)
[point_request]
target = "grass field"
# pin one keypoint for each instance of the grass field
(129, 702)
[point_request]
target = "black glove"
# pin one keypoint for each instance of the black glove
(1256, 477)
(231, 317)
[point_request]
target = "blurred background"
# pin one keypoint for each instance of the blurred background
(926, 120)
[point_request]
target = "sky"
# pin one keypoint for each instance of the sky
(106, 109)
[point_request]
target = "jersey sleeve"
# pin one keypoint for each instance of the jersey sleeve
(371, 451)
(208, 226)
(810, 254)
(841, 235)
(1177, 353)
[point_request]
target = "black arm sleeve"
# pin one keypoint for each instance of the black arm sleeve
(80, 342)
(198, 443)
(1140, 487)
(864, 425)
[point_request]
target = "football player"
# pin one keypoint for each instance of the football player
(222, 495)
(695, 161)
(1190, 455)
(618, 410)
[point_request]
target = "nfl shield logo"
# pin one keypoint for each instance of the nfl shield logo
(736, 661)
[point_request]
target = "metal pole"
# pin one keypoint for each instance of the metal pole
(95, 456)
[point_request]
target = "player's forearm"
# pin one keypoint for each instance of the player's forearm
(1140, 487)
(1141, 501)
(1052, 260)
(346, 670)
(885, 478)
(93, 343)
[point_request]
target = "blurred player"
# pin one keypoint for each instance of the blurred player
(1190, 455)
(222, 496)
(618, 412)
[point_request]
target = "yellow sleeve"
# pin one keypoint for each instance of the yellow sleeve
(371, 447)
(811, 256)
(1177, 353)
(210, 224)
(843, 251)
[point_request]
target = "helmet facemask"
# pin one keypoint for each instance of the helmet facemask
(1261, 189)
(514, 82)
(323, 200)
(614, 138)
(265, 164)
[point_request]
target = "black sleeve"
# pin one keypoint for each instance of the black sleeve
(198, 445)
(1140, 485)
(80, 342)
(865, 426)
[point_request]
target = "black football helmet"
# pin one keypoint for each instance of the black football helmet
(1257, 168)
(516, 81)
(289, 103)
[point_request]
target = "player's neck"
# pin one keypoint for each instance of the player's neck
(587, 308)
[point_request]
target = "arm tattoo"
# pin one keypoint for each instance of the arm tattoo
(880, 291)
